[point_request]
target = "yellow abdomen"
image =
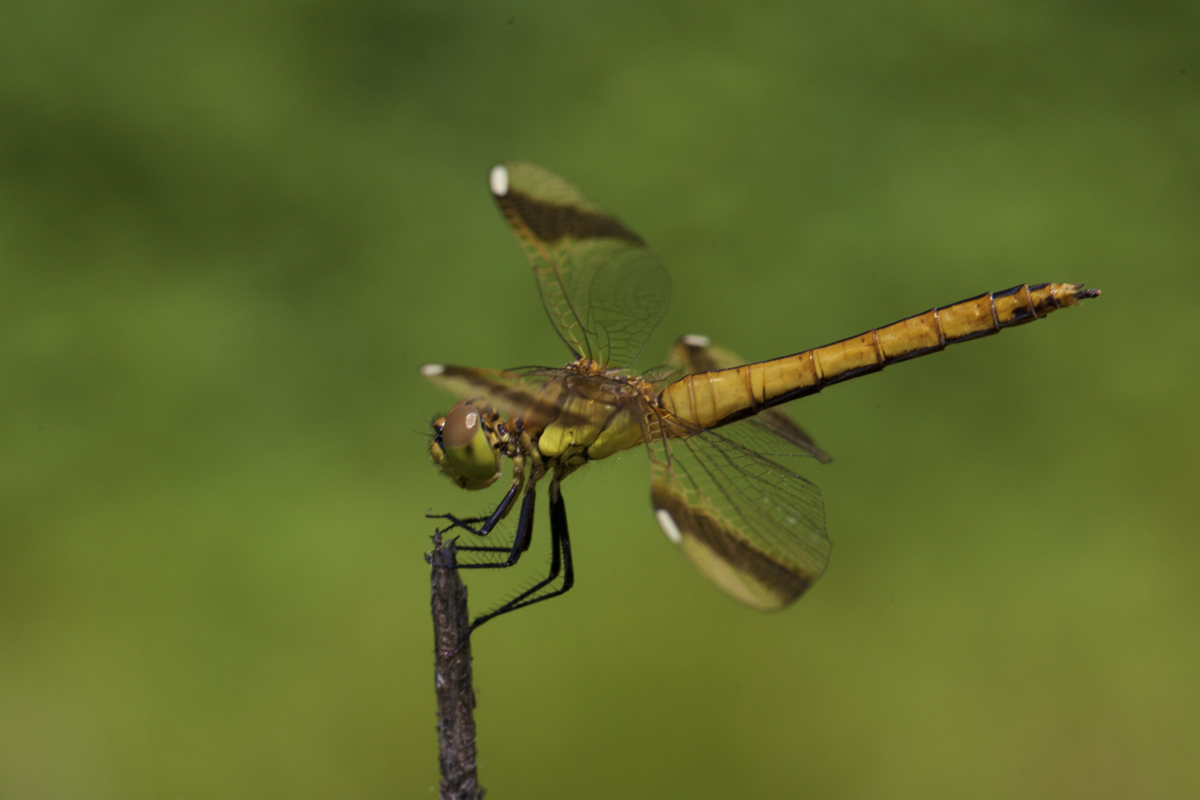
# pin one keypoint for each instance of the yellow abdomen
(710, 399)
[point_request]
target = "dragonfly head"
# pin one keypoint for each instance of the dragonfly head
(464, 447)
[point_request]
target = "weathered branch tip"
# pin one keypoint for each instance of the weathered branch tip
(452, 676)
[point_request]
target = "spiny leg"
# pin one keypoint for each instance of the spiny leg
(489, 521)
(560, 560)
(520, 540)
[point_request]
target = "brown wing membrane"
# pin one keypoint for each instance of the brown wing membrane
(602, 288)
(511, 392)
(694, 354)
(748, 524)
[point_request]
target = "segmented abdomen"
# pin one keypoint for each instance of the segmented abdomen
(711, 399)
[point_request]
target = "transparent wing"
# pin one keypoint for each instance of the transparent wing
(511, 392)
(749, 524)
(773, 434)
(602, 287)
(770, 432)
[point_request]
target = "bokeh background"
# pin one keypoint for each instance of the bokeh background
(230, 233)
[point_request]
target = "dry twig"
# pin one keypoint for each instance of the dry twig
(452, 677)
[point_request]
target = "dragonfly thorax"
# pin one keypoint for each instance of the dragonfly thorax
(588, 414)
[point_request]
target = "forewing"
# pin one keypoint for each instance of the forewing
(602, 287)
(511, 392)
(771, 432)
(750, 525)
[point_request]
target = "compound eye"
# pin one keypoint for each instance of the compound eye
(462, 425)
(467, 447)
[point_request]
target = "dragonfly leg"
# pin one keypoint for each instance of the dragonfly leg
(520, 541)
(489, 522)
(560, 561)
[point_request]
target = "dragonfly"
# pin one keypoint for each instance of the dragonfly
(722, 484)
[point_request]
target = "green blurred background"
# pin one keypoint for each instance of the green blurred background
(230, 232)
